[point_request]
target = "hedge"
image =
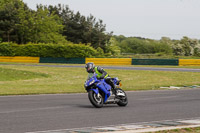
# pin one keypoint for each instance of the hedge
(47, 50)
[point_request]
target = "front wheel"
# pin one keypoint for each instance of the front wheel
(95, 99)
(123, 101)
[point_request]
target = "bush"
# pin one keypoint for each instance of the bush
(144, 46)
(197, 50)
(100, 52)
(47, 50)
(6, 49)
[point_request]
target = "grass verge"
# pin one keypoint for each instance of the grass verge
(12, 74)
(184, 130)
(52, 80)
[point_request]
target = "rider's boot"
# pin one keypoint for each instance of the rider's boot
(118, 93)
(114, 90)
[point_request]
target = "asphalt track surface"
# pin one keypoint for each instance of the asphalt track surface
(120, 68)
(20, 114)
(131, 68)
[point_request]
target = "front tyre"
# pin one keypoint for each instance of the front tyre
(123, 101)
(95, 99)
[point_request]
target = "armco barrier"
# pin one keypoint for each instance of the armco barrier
(110, 61)
(62, 60)
(19, 59)
(189, 62)
(174, 62)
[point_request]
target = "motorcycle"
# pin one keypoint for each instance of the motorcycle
(99, 92)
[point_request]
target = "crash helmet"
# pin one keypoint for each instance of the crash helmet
(90, 67)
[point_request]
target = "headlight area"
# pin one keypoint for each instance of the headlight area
(92, 82)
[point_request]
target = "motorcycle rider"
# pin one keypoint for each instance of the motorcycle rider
(101, 74)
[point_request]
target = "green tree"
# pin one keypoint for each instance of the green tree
(21, 25)
(46, 27)
(186, 46)
(8, 19)
(112, 47)
(138, 45)
(81, 29)
(24, 24)
(119, 38)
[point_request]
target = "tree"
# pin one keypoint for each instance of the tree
(24, 24)
(81, 29)
(112, 47)
(186, 47)
(20, 24)
(119, 38)
(138, 45)
(46, 27)
(8, 19)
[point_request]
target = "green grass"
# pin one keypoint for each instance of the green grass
(162, 66)
(12, 74)
(53, 64)
(20, 80)
(156, 56)
(151, 80)
(184, 130)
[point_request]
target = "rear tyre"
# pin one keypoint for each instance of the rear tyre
(123, 101)
(95, 99)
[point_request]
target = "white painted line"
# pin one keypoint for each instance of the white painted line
(153, 129)
(133, 127)
(48, 131)
(110, 128)
(191, 121)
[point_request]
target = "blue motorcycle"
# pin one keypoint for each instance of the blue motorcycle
(99, 92)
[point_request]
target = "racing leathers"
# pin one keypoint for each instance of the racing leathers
(101, 74)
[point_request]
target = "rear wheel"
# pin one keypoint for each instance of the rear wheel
(95, 99)
(123, 101)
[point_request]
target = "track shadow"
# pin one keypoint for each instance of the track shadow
(104, 106)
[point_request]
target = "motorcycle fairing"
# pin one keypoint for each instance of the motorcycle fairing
(103, 86)
(95, 90)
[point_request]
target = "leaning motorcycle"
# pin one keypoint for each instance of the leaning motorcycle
(99, 92)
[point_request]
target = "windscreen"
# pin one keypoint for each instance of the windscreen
(90, 76)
